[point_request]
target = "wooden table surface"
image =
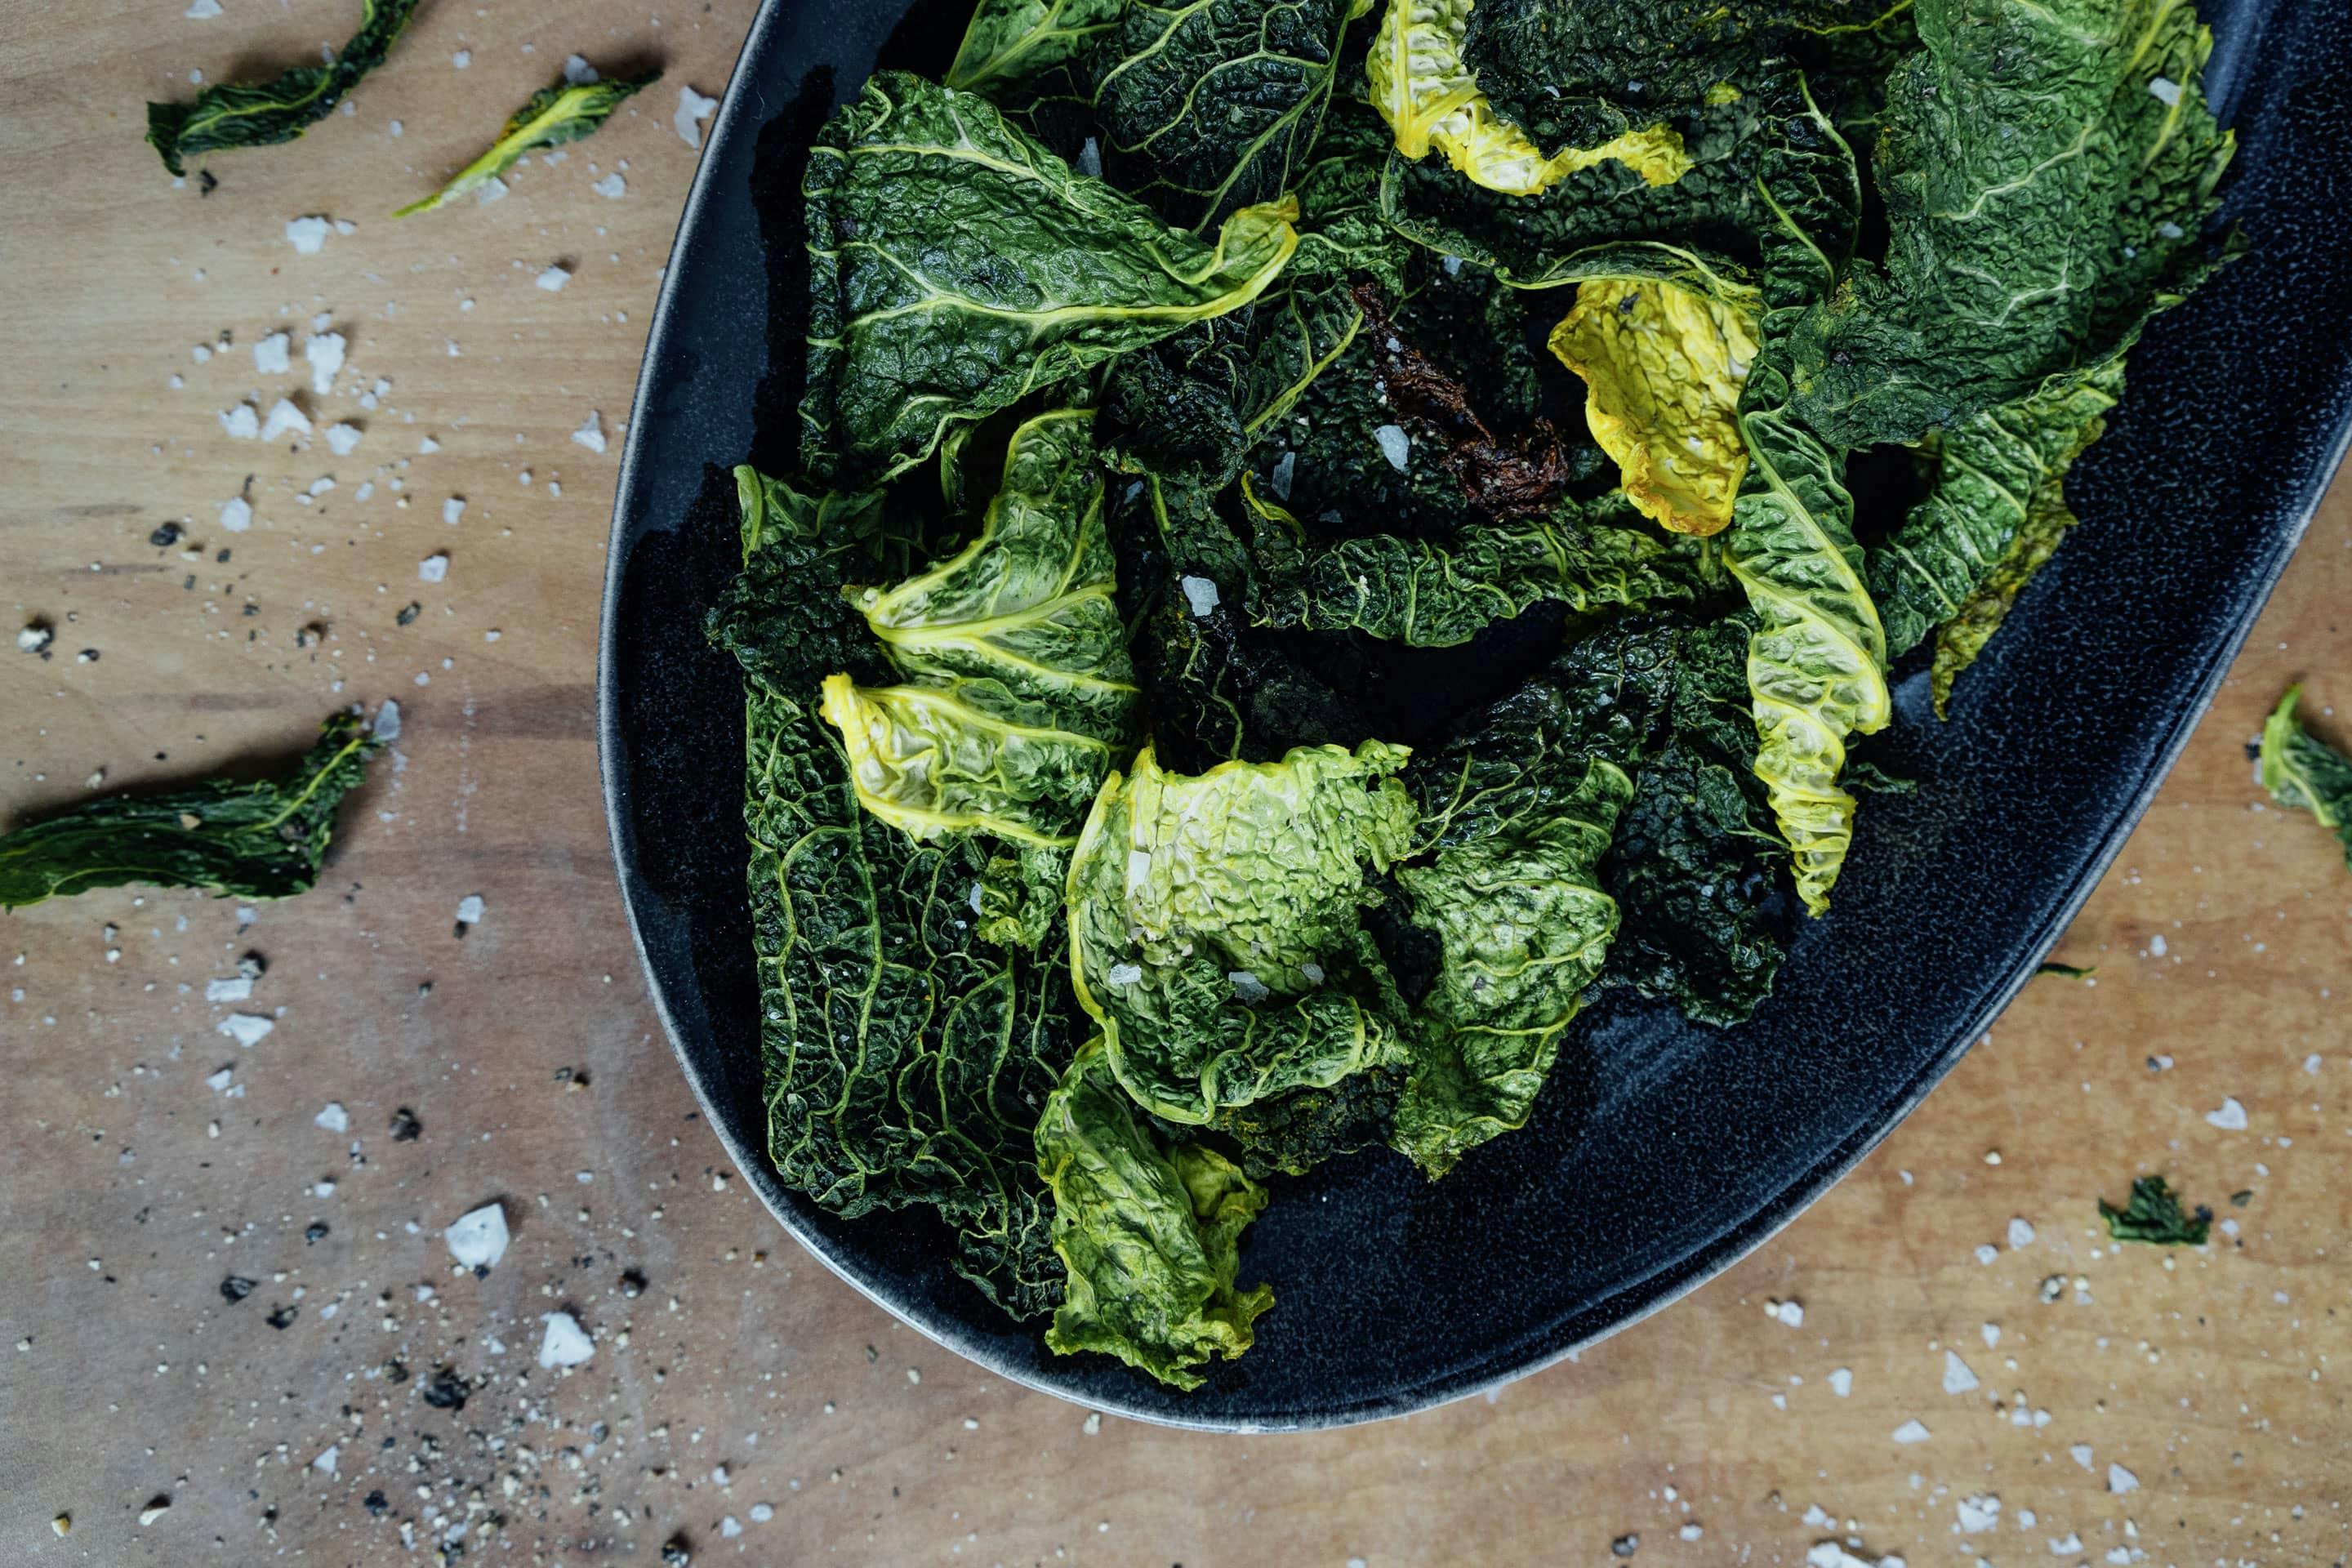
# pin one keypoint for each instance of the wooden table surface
(2176, 1407)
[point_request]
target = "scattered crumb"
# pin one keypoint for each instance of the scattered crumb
(478, 1240)
(693, 108)
(306, 234)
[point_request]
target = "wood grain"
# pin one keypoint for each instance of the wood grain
(2213, 1378)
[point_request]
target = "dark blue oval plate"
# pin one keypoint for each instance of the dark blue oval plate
(1671, 1150)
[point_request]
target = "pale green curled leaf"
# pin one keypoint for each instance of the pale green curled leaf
(2038, 534)
(1589, 556)
(1149, 1233)
(1989, 469)
(1817, 659)
(224, 117)
(933, 759)
(1519, 818)
(1008, 42)
(1208, 106)
(1431, 96)
(553, 116)
(2046, 167)
(956, 266)
(2305, 772)
(260, 840)
(1019, 694)
(905, 1055)
(1217, 935)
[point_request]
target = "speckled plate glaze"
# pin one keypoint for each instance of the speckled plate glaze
(1664, 1151)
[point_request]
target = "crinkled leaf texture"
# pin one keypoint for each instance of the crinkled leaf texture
(1989, 472)
(906, 1056)
(1430, 96)
(1590, 556)
(1996, 511)
(957, 266)
(2305, 772)
(1695, 863)
(1008, 42)
(1208, 106)
(260, 841)
(2042, 529)
(1216, 920)
(566, 112)
(1019, 694)
(1817, 659)
(1585, 222)
(2046, 167)
(1518, 822)
(1664, 365)
(225, 116)
(1148, 1231)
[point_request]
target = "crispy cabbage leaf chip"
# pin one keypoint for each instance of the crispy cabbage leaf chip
(1817, 658)
(1993, 513)
(260, 840)
(905, 1053)
(1020, 695)
(2305, 772)
(265, 114)
(1216, 936)
(956, 266)
(1514, 821)
(1430, 97)
(1148, 1231)
(2046, 165)
(1592, 556)
(1663, 367)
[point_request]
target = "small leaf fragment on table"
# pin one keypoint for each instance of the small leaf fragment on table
(261, 840)
(2307, 772)
(568, 112)
(278, 111)
(2153, 1216)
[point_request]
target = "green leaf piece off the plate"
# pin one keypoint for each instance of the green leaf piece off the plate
(568, 112)
(278, 111)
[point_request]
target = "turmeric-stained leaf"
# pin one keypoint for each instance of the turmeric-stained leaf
(260, 841)
(1663, 367)
(226, 116)
(568, 112)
